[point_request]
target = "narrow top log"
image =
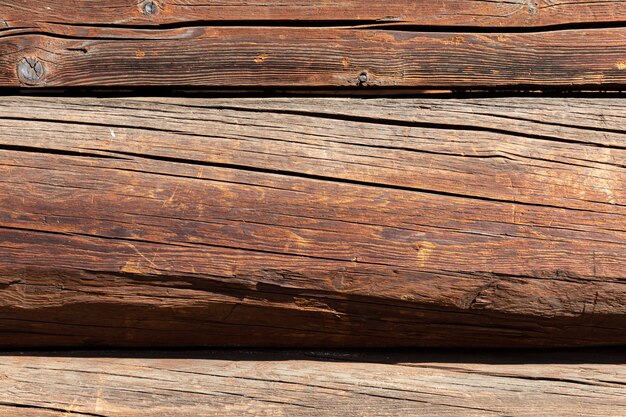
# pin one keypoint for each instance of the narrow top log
(497, 13)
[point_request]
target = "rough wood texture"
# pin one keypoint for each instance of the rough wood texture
(312, 222)
(315, 384)
(60, 55)
(506, 13)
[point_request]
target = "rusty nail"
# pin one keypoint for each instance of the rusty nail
(30, 70)
(150, 8)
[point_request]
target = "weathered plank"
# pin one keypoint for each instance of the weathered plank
(62, 55)
(312, 222)
(507, 13)
(314, 384)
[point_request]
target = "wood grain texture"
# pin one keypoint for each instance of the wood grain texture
(314, 384)
(312, 222)
(493, 13)
(61, 55)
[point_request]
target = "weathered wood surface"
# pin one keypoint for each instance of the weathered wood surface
(314, 384)
(52, 55)
(507, 13)
(312, 222)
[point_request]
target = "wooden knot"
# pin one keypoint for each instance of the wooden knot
(30, 71)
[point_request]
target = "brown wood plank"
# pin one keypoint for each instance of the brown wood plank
(315, 384)
(309, 57)
(506, 13)
(312, 222)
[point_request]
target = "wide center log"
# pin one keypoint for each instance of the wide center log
(312, 222)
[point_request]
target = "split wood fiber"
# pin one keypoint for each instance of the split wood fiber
(330, 222)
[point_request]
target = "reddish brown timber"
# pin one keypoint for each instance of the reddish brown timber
(493, 13)
(312, 222)
(313, 384)
(61, 55)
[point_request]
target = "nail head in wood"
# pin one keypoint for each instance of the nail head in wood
(150, 8)
(363, 78)
(30, 71)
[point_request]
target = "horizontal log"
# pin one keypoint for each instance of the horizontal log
(62, 55)
(312, 222)
(524, 13)
(314, 384)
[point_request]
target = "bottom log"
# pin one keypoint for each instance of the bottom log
(314, 384)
